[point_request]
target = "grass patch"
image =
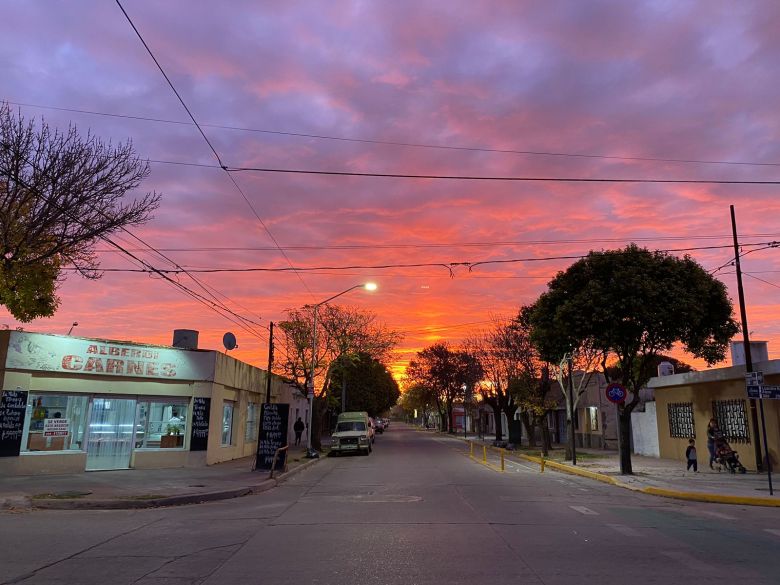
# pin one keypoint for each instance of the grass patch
(61, 496)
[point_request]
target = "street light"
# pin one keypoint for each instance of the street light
(369, 286)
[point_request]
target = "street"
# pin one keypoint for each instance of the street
(416, 511)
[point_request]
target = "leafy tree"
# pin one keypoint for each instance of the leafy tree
(369, 385)
(59, 194)
(421, 398)
(342, 333)
(633, 304)
(449, 374)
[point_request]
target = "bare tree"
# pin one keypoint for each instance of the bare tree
(59, 194)
(502, 351)
(573, 374)
(342, 333)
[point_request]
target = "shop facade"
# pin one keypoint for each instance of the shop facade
(72, 404)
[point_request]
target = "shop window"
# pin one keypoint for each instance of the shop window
(55, 422)
(161, 424)
(227, 422)
(593, 418)
(681, 422)
(732, 420)
(252, 414)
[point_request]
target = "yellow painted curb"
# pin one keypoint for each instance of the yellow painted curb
(572, 470)
(654, 491)
(713, 498)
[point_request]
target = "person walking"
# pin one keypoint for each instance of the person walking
(690, 455)
(298, 428)
(713, 432)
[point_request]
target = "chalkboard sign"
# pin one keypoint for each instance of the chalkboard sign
(13, 404)
(273, 435)
(199, 434)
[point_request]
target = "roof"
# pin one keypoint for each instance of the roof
(729, 374)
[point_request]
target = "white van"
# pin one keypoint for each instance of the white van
(353, 433)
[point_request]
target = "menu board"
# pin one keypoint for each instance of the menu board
(13, 404)
(273, 435)
(199, 436)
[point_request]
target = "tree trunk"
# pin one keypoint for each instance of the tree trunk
(624, 442)
(546, 442)
(450, 428)
(569, 439)
(529, 428)
(499, 426)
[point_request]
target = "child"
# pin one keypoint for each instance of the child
(690, 455)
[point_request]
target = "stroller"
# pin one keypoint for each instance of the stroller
(726, 457)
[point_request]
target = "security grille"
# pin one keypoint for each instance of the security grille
(681, 425)
(732, 420)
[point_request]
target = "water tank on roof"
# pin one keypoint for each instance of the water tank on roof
(666, 369)
(185, 338)
(759, 352)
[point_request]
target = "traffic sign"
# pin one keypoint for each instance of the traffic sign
(765, 391)
(616, 393)
(754, 378)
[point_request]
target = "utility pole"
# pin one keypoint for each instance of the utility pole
(270, 364)
(749, 359)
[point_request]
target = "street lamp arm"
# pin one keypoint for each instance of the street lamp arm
(326, 301)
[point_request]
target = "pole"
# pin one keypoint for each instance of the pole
(749, 359)
(270, 364)
(343, 386)
(572, 441)
(311, 453)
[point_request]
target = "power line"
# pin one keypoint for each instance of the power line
(401, 143)
(485, 244)
(211, 146)
(520, 179)
(449, 266)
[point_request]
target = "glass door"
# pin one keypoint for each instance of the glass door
(111, 433)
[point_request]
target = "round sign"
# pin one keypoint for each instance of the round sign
(616, 393)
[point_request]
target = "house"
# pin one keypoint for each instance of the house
(686, 402)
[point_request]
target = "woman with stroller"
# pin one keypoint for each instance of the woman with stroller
(713, 434)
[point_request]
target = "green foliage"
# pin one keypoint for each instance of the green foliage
(369, 386)
(633, 304)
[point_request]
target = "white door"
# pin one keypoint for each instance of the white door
(111, 433)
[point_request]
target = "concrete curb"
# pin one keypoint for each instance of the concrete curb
(654, 491)
(183, 500)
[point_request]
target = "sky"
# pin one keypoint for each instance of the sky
(580, 89)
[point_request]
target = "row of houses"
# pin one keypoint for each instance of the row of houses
(674, 409)
(72, 404)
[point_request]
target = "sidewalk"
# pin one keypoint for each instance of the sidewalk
(660, 477)
(144, 488)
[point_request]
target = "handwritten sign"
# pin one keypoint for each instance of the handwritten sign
(199, 436)
(55, 427)
(273, 435)
(13, 404)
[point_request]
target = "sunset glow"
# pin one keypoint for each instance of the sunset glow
(684, 91)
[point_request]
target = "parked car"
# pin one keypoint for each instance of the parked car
(379, 426)
(353, 433)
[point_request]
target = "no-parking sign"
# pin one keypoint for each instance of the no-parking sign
(616, 393)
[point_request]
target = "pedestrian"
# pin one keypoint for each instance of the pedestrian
(298, 428)
(690, 455)
(713, 432)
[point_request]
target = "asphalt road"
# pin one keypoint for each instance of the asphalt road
(416, 511)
